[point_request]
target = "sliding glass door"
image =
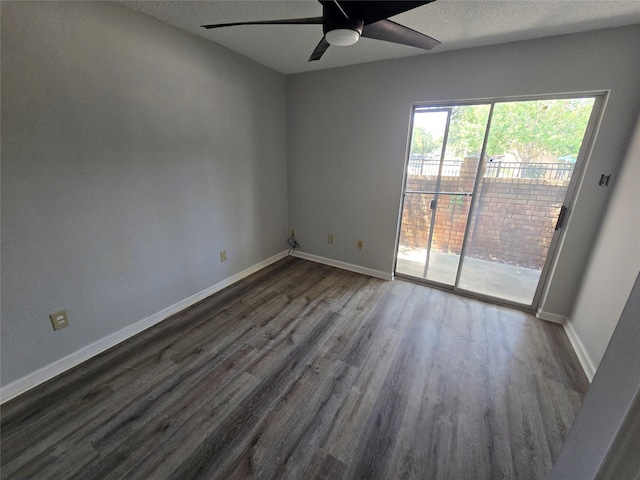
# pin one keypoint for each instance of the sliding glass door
(441, 173)
(484, 193)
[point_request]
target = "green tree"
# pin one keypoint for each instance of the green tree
(422, 142)
(466, 130)
(526, 130)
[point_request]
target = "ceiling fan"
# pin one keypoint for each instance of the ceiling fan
(344, 22)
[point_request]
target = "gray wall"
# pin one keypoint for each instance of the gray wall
(600, 439)
(132, 153)
(604, 439)
(614, 263)
(348, 131)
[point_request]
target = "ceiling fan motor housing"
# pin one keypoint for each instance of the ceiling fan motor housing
(334, 27)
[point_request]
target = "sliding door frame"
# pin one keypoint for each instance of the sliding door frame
(600, 100)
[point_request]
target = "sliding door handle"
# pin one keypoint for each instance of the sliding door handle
(561, 216)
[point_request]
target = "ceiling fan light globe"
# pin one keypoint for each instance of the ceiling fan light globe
(342, 37)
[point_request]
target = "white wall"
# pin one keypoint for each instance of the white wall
(132, 153)
(347, 137)
(613, 266)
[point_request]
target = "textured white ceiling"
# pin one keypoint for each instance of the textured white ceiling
(456, 23)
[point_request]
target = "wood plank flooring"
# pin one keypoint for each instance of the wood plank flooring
(304, 371)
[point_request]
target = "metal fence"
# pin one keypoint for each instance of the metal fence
(451, 168)
(547, 171)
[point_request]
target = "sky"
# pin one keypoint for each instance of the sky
(433, 122)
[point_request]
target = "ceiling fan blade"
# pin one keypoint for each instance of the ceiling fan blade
(320, 49)
(389, 31)
(291, 21)
(339, 8)
(372, 11)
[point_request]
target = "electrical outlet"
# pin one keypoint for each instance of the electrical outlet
(59, 320)
(293, 233)
(360, 244)
(330, 238)
(223, 255)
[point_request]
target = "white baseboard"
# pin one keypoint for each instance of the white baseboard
(31, 380)
(583, 356)
(345, 266)
(551, 317)
(578, 347)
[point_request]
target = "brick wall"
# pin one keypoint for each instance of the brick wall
(514, 223)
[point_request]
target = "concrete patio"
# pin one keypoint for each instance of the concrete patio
(500, 280)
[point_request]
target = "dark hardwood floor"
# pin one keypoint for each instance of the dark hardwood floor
(304, 371)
